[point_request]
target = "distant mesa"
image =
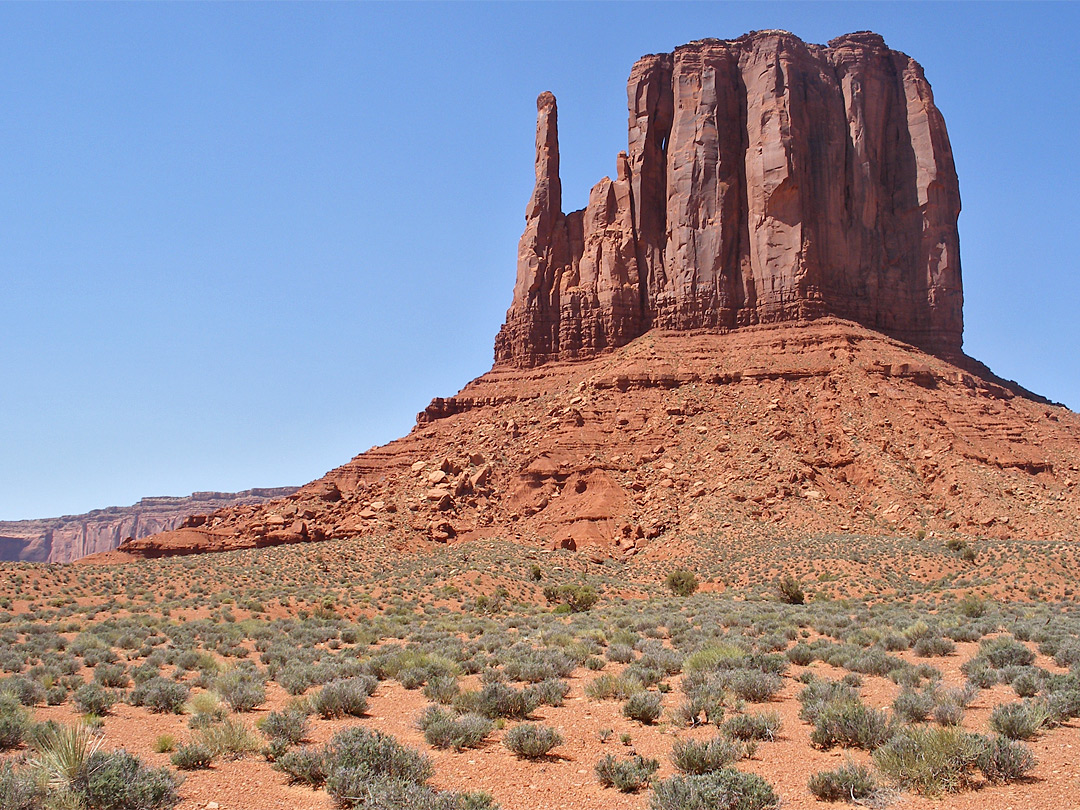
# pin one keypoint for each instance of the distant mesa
(68, 538)
(765, 180)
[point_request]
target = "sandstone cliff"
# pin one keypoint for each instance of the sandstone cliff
(70, 537)
(765, 180)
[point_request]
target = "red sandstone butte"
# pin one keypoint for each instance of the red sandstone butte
(765, 180)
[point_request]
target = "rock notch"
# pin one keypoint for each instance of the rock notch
(765, 180)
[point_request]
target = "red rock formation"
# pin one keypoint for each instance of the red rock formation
(766, 180)
(70, 537)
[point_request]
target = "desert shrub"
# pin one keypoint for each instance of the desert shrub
(192, 756)
(934, 646)
(693, 757)
(681, 582)
(1028, 683)
(230, 738)
(341, 698)
(242, 689)
(549, 693)
(14, 721)
(501, 700)
(801, 654)
(760, 726)
(620, 653)
(531, 740)
(20, 789)
(303, 766)
(851, 782)
(442, 688)
(367, 754)
(113, 676)
(1019, 721)
(161, 696)
(577, 598)
(120, 781)
(930, 760)
(753, 685)
(205, 708)
(727, 789)
(289, 726)
(92, 698)
(446, 729)
(628, 775)
(820, 693)
(912, 706)
(609, 686)
(643, 707)
(1002, 760)
(28, 692)
(790, 590)
(1062, 705)
(850, 724)
(356, 791)
(1005, 651)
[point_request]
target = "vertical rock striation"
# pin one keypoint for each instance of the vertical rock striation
(765, 180)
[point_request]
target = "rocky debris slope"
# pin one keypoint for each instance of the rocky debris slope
(765, 180)
(67, 538)
(822, 426)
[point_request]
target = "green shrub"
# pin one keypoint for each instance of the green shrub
(912, 706)
(1002, 760)
(230, 738)
(161, 696)
(501, 700)
(531, 740)
(289, 726)
(303, 766)
(761, 726)
(92, 698)
(681, 582)
(790, 590)
(374, 755)
(850, 724)
(20, 789)
(578, 598)
(446, 729)
(643, 707)
(851, 782)
(120, 781)
(719, 790)
(609, 686)
(628, 775)
(341, 698)
(1019, 721)
(192, 756)
(930, 760)
(14, 721)
(164, 744)
(242, 689)
(1005, 651)
(693, 757)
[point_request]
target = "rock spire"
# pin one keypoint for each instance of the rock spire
(765, 180)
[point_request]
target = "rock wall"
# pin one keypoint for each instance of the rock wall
(765, 180)
(68, 538)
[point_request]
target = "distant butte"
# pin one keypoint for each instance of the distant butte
(758, 322)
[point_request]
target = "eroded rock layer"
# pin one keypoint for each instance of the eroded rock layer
(765, 180)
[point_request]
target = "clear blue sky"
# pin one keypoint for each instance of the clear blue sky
(241, 243)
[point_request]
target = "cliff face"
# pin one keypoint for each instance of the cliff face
(70, 537)
(765, 180)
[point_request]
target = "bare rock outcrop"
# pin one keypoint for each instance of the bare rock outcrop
(765, 180)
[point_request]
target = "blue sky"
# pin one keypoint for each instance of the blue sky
(241, 243)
